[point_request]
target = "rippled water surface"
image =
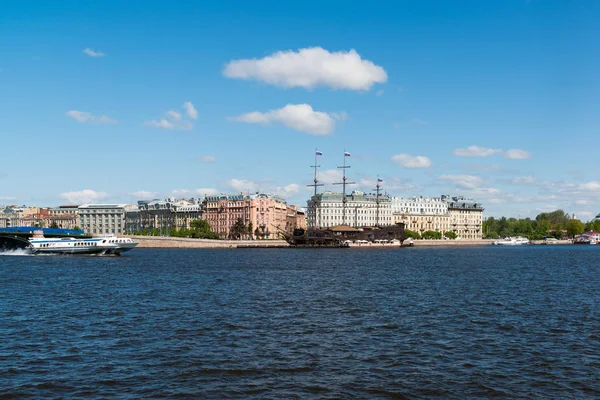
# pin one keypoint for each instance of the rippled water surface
(459, 323)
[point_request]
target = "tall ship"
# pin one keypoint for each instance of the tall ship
(342, 227)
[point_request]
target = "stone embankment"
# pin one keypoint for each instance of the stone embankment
(158, 242)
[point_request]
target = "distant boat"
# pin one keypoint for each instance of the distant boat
(511, 241)
(68, 245)
(588, 238)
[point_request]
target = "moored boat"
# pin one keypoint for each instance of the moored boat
(511, 241)
(588, 238)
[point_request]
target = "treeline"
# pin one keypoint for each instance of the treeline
(429, 234)
(199, 229)
(556, 224)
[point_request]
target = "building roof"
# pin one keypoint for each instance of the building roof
(343, 228)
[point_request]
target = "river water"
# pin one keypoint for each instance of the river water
(504, 322)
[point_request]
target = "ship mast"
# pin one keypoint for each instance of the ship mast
(377, 190)
(344, 183)
(316, 184)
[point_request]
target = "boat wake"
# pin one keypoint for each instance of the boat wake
(16, 252)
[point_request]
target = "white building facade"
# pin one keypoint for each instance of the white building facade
(442, 214)
(103, 219)
(327, 210)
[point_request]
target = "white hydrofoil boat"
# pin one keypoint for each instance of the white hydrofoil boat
(69, 245)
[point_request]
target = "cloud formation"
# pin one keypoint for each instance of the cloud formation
(523, 180)
(93, 53)
(174, 119)
(463, 181)
(477, 151)
(517, 154)
(243, 185)
(144, 195)
(408, 161)
(84, 117)
(309, 68)
(300, 117)
(206, 159)
(83, 196)
(190, 110)
(195, 192)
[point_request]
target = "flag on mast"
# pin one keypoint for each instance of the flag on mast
(379, 180)
(346, 154)
(319, 153)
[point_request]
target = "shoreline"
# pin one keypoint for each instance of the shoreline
(162, 242)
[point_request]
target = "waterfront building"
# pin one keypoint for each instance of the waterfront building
(466, 217)
(361, 209)
(295, 218)
(64, 217)
(103, 219)
(420, 214)
(442, 214)
(163, 215)
(265, 215)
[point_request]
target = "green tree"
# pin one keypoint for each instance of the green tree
(431, 235)
(200, 225)
(412, 234)
(238, 229)
(574, 227)
(450, 235)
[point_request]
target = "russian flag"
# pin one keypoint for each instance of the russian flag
(346, 154)
(319, 153)
(379, 180)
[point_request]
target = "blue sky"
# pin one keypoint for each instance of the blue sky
(110, 101)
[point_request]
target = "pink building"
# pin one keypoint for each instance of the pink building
(263, 215)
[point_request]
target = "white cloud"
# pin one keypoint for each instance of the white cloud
(292, 188)
(409, 161)
(309, 68)
(190, 110)
(379, 92)
(396, 125)
(583, 202)
(162, 123)
(83, 196)
(83, 117)
(93, 53)
(242, 185)
(174, 115)
(194, 193)
(585, 214)
(476, 151)
(523, 180)
(341, 116)
(207, 191)
(7, 198)
(207, 159)
(144, 195)
(329, 176)
(463, 181)
(592, 186)
(300, 117)
(517, 154)
(174, 120)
